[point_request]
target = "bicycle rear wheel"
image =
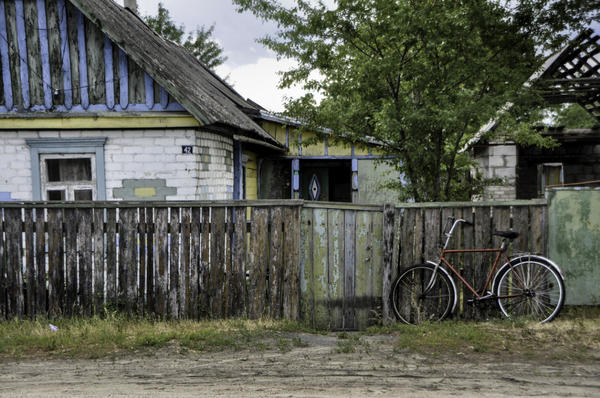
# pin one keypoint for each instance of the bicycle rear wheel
(412, 304)
(531, 289)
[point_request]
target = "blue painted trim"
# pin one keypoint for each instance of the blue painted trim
(173, 107)
(149, 90)
(109, 76)
(355, 182)
(287, 136)
(237, 170)
(354, 164)
(93, 145)
(22, 40)
(295, 176)
(6, 81)
(66, 58)
(352, 146)
(5, 197)
(83, 73)
(300, 144)
(123, 80)
(164, 98)
(45, 53)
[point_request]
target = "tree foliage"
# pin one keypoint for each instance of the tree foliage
(200, 42)
(574, 116)
(420, 76)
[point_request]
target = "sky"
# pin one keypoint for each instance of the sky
(250, 68)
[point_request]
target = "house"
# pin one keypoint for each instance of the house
(96, 106)
(317, 167)
(572, 75)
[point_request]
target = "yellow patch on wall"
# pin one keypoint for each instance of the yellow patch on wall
(144, 192)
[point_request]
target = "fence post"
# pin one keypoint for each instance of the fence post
(389, 214)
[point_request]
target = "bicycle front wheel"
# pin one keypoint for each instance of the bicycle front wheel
(531, 289)
(413, 303)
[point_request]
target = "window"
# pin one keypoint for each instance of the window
(550, 174)
(68, 177)
(67, 168)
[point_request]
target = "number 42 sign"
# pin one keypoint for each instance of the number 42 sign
(187, 149)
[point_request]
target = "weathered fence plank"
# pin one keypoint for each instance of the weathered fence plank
(291, 277)
(306, 266)
(320, 272)
(483, 239)
(128, 259)
(98, 235)
(388, 246)
(13, 231)
(40, 260)
(14, 277)
(143, 266)
(184, 275)
(349, 270)
(227, 262)
(276, 263)
(71, 261)
(335, 237)
(195, 252)
(150, 266)
(31, 278)
(84, 220)
(204, 274)
(238, 271)
(217, 262)
(55, 263)
(258, 263)
(161, 223)
(363, 288)
(111, 257)
(174, 286)
(521, 225)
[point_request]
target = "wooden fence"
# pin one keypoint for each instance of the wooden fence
(351, 254)
(329, 264)
(177, 260)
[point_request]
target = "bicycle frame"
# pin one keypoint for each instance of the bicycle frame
(499, 251)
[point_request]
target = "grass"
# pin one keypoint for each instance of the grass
(574, 335)
(96, 337)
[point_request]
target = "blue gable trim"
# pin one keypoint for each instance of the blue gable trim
(78, 54)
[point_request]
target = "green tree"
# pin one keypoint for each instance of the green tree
(420, 76)
(574, 116)
(199, 42)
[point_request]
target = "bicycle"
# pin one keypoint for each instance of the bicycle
(527, 285)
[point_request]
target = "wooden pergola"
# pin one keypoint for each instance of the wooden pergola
(573, 74)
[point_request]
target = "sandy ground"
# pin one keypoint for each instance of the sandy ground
(316, 369)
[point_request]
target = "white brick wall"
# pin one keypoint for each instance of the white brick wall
(133, 154)
(15, 165)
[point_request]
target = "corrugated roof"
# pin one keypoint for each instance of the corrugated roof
(201, 92)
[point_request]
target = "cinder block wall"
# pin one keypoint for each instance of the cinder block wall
(139, 164)
(498, 161)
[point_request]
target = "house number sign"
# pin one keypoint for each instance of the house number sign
(187, 149)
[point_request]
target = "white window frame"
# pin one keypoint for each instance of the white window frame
(68, 186)
(91, 145)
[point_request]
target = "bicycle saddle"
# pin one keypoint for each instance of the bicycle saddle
(507, 234)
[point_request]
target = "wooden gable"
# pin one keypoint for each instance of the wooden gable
(54, 59)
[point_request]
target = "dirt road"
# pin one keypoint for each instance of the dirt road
(314, 366)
